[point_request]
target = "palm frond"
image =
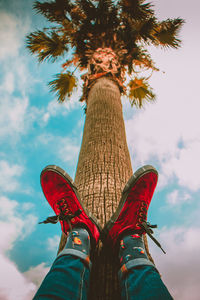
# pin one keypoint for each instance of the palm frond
(54, 11)
(63, 85)
(46, 46)
(139, 92)
(145, 29)
(88, 8)
(77, 15)
(137, 9)
(139, 59)
(165, 34)
(125, 26)
(144, 61)
(106, 14)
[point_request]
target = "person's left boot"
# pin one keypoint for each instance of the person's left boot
(131, 214)
(77, 223)
(124, 231)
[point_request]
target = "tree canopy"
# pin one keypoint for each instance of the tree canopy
(82, 28)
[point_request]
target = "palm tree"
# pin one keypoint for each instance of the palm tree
(108, 40)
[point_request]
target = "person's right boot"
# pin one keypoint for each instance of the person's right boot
(80, 226)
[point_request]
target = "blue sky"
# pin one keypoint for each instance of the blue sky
(36, 131)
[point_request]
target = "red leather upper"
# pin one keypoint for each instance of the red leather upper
(141, 191)
(55, 188)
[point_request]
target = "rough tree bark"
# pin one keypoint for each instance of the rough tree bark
(104, 166)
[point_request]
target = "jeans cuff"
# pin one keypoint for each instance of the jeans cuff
(133, 264)
(85, 258)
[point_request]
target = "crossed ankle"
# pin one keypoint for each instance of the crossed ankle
(79, 239)
(131, 247)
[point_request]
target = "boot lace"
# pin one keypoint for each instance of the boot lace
(64, 214)
(144, 225)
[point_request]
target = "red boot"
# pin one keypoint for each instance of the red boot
(131, 214)
(64, 199)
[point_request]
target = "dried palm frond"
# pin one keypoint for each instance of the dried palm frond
(165, 33)
(46, 46)
(63, 85)
(139, 92)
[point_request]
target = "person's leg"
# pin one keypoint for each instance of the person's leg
(68, 277)
(138, 276)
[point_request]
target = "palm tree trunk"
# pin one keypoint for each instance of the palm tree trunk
(104, 166)
(104, 163)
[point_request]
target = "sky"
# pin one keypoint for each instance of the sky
(36, 131)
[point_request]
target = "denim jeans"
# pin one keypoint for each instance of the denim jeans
(68, 279)
(143, 283)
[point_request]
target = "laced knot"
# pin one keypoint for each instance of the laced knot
(64, 215)
(144, 225)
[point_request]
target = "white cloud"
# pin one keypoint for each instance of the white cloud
(12, 117)
(177, 198)
(168, 132)
(13, 284)
(69, 150)
(16, 115)
(16, 221)
(36, 274)
(66, 148)
(186, 166)
(9, 175)
(53, 243)
(27, 206)
(11, 32)
(14, 225)
(55, 108)
(8, 83)
(180, 266)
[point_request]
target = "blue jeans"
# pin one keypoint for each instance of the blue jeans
(143, 283)
(68, 279)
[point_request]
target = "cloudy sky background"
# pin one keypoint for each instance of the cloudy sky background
(36, 131)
